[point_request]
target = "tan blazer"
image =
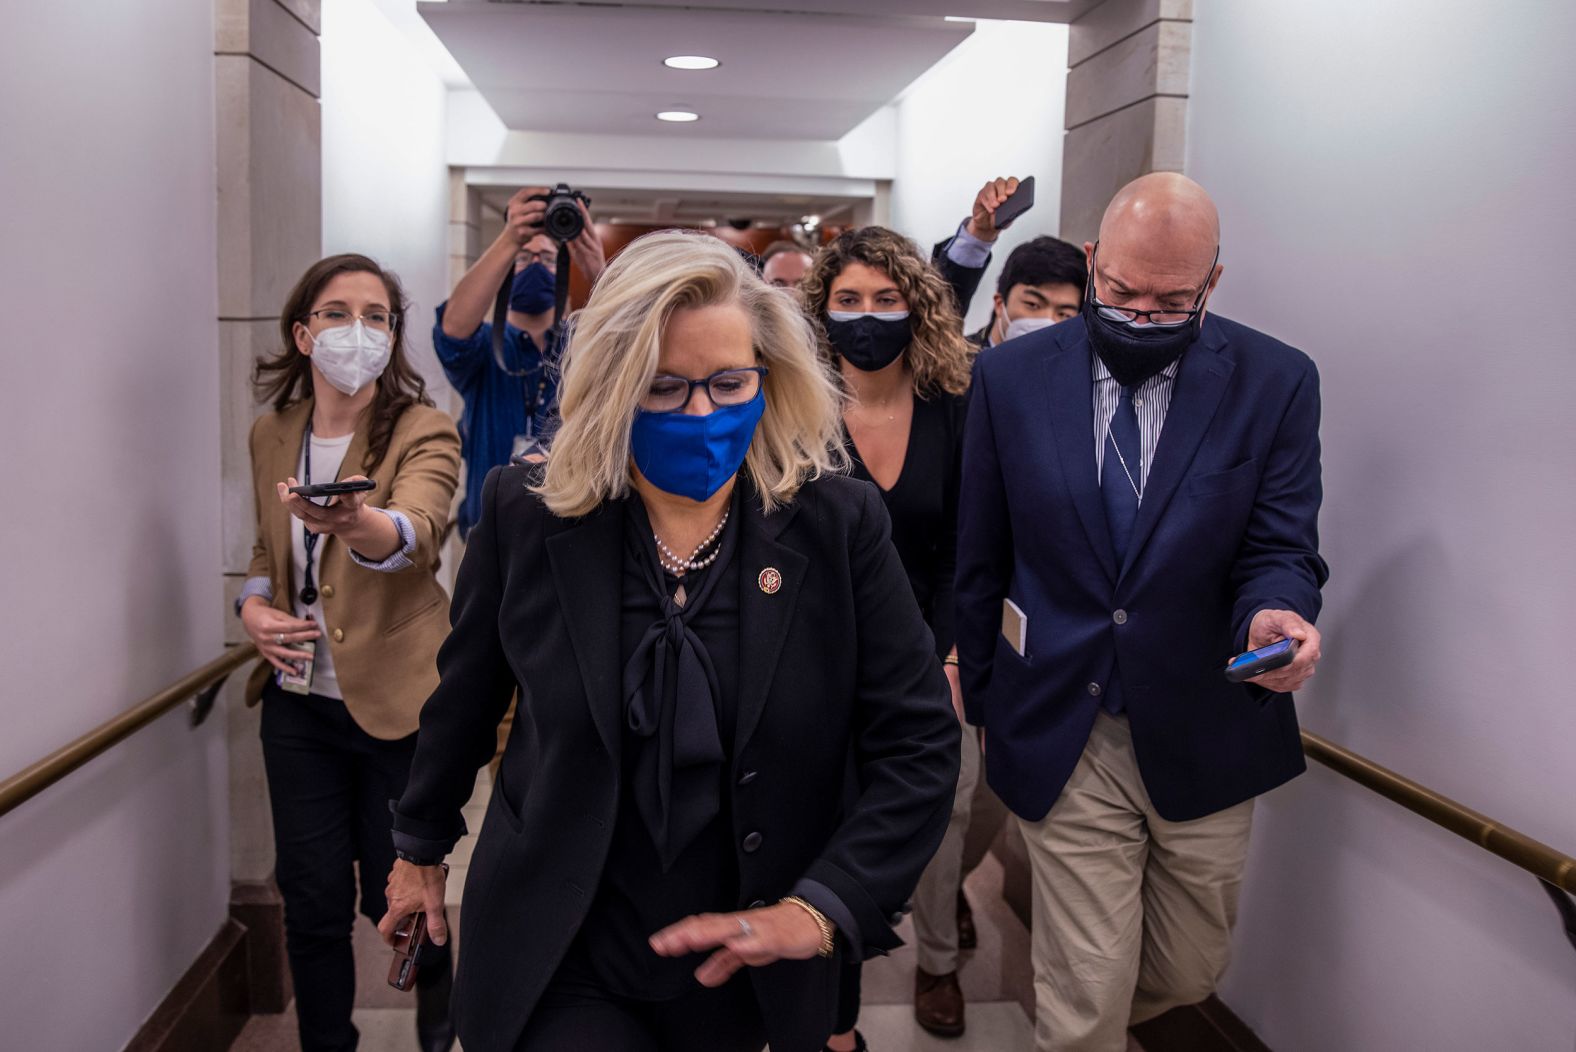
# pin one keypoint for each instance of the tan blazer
(382, 629)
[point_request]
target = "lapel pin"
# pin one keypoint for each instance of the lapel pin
(770, 580)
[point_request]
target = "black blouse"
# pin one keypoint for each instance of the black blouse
(637, 897)
(923, 504)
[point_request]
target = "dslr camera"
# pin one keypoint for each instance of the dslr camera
(564, 220)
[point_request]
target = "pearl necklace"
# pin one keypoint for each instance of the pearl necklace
(677, 565)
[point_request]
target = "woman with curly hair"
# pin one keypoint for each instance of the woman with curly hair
(889, 329)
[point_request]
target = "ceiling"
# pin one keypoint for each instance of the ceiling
(799, 74)
(681, 208)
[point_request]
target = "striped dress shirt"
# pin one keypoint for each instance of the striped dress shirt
(1150, 402)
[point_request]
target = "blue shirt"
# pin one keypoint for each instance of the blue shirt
(517, 398)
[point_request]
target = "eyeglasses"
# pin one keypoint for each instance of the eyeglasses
(672, 394)
(547, 258)
(373, 319)
(1165, 318)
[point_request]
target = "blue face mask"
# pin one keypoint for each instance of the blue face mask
(534, 290)
(694, 456)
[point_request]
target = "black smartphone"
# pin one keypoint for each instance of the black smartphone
(1244, 667)
(1021, 201)
(334, 489)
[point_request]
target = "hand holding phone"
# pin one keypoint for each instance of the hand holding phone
(335, 489)
(413, 949)
(1246, 666)
(998, 203)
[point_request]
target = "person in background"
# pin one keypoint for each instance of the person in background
(711, 638)
(1041, 284)
(343, 603)
(892, 338)
(510, 402)
(1141, 494)
(784, 263)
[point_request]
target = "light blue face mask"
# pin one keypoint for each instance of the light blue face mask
(694, 456)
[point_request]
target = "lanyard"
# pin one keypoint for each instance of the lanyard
(308, 593)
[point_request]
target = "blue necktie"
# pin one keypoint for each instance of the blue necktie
(1120, 493)
(1119, 484)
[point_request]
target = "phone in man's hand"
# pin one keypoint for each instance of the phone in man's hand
(1021, 201)
(1244, 667)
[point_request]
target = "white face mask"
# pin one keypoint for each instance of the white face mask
(1023, 326)
(351, 356)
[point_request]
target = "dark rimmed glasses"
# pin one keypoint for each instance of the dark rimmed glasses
(672, 394)
(1164, 318)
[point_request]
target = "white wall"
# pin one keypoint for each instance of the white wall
(112, 882)
(993, 107)
(385, 177)
(1395, 187)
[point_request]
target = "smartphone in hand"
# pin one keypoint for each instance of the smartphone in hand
(1244, 667)
(412, 949)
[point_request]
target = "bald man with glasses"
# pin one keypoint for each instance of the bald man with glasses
(1140, 502)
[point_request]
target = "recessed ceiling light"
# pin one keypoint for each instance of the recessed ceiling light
(690, 62)
(678, 116)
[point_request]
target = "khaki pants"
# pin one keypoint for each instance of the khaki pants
(936, 898)
(1132, 913)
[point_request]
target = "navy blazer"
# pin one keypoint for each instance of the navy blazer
(1228, 527)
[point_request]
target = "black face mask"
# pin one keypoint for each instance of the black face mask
(1134, 353)
(870, 343)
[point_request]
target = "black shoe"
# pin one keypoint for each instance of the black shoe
(859, 1044)
(434, 985)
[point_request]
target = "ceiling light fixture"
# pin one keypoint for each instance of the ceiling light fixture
(690, 62)
(678, 116)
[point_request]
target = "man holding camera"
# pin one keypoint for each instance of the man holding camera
(511, 394)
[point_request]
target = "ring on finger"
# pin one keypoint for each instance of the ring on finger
(745, 927)
(279, 639)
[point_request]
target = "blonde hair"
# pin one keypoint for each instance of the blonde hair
(938, 355)
(614, 345)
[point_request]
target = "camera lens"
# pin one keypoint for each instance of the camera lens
(563, 221)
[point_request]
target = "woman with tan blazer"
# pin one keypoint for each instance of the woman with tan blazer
(342, 602)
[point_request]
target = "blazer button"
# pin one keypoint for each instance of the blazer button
(747, 777)
(328, 591)
(752, 843)
(1094, 690)
(1120, 617)
(339, 635)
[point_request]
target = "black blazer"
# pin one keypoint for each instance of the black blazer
(844, 762)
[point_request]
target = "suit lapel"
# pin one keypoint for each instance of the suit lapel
(1200, 385)
(766, 605)
(586, 559)
(1070, 385)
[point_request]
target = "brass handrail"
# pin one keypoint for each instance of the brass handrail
(204, 683)
(1534, 856)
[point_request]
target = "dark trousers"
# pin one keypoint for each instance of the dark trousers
(576, 1015)
(329, 783)
(849, 983)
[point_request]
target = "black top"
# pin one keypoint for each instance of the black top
(638, 895)
(923, 504)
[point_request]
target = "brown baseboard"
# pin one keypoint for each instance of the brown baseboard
(208, 1006)
(261, 910)
(1208, 1026)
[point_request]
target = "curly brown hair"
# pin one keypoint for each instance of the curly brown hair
(286, 378)
(938, 356)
